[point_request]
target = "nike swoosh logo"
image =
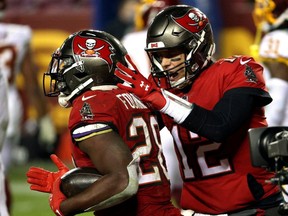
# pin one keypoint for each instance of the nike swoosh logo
(244, 62)
(87, 98)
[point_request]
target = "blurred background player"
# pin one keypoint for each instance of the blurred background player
(4, 211)
(123, 21)
(15, 58)
(25, 99)
(106, 125)
(271, 20)
(135, 42)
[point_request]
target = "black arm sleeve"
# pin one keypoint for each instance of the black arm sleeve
(234, 108)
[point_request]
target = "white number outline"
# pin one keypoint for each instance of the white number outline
(206, 171)
(145, 149)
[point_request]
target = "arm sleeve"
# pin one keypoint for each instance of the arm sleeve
(234, 108)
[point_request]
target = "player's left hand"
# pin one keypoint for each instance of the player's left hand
(139, 85)
(42, 180)
(56, 197)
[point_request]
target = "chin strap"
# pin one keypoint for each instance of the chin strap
(64, 100)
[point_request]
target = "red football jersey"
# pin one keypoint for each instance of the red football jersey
(96, 111)
(215, 174)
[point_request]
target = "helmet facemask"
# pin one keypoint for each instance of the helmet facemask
(197, 55)
(60, 67)
(160, 74)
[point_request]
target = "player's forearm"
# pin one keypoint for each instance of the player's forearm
(129, 190)
(104, 193)
(93, 195)
(216, 124)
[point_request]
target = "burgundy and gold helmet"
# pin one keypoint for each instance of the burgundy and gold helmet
(270, 14)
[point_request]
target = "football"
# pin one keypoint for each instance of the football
(78, 179)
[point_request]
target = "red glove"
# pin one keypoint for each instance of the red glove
(139, 85)
(56, 197)
(42, 180)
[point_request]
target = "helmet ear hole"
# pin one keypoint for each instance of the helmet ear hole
(62, 86)
(80, 75)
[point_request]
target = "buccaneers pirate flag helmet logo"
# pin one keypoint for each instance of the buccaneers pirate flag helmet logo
(193, 21)
(93, 47)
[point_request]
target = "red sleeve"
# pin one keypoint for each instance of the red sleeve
(241, 71)
(93, 112)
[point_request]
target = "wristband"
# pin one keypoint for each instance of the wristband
(176, 107)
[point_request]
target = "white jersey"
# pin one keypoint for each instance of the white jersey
(3, 128)
(135, 42)
(274, 47)
(14, 42)
(4, 117)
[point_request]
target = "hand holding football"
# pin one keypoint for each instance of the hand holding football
(77, 180)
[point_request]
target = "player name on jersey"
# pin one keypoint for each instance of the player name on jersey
(131, 101)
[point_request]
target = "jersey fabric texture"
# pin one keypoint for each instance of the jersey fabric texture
(96, 112)
(219, 177)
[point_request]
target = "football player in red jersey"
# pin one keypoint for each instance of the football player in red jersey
(135, 43)
(112, 130)
(208, 106)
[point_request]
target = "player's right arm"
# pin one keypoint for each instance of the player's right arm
(112, 158)
(241, 96)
